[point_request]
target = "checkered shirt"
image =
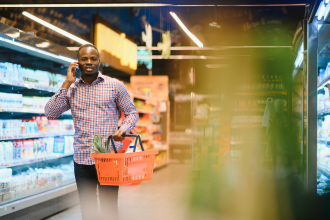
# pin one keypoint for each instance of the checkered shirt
(95, 110)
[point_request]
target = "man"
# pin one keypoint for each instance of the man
(95, 101)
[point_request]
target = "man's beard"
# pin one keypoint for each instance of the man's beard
(89, 74)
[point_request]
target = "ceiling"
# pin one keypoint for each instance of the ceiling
(176, 2)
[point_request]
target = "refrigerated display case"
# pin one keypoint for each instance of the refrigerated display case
(323, 110)
(317, 81)
(316, 99)
(36, 154)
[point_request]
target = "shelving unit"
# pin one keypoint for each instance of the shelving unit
(208, 145)
(246, 126)
(21, 86)
(38, 135)
(20, 198)
(27, 111)
(161, 126)
(248, 138)
(14, 163)
(323, 143)
(263, 93)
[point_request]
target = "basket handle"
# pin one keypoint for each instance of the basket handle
(110, 138)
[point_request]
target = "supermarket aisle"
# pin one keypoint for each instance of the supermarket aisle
(163, 198)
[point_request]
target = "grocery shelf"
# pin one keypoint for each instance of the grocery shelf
(144, 97)
(253, 109)
(323, 141)
(246, 142)
(246, 126)
(33, 160)
(17, 205)
(17, 86)
(147, 137)
(28, 111)
(139, 96)
(263, 93)
(144, 111)
(180, 142)
(323, 82)
(144, 124)
(161, 149)
(38, 135)
(323, 111)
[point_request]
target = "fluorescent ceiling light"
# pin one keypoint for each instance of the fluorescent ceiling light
(193, 37)
(320, 11)
(63, 58)
(249, 5)
(179, 57)
(124, 5)
(73, 48)
(59, 30)
(120, 5)
(300, 56)
(212, 48)
(319, 17)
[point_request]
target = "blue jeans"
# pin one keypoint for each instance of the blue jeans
(86, 179)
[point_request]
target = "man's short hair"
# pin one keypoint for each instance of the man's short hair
(87, 45)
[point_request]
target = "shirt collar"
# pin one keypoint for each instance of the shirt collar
(99, 78)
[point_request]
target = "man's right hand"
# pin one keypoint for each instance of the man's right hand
(71, 75)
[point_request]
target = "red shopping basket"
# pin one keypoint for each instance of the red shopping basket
(119, 168)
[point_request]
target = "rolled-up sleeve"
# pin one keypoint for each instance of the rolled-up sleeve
(126, 105)
(57, 104)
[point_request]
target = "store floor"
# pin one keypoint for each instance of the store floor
(163, 198)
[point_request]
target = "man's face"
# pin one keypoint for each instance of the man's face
(89, 61)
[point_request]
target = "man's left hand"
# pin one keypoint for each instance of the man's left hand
(118, 136)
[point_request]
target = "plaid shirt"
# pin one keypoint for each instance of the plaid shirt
(95, 110)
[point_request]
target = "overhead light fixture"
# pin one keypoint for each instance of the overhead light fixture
(33, 49)
(120, 5)
(320, 14)
(54, 28)
(300, 56)
(323, 10)
(180, 57)
(125, 5)
(211, 48)
(73, 48)
(193, 37)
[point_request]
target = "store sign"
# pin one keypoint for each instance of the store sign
(115, 49)
(157, 86)
(145, 61)
(165, 46)
(147, 37)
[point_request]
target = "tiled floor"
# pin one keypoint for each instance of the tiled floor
(161, 199)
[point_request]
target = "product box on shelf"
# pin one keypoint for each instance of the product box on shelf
(33, 181)
(11, 151)
(15, 74)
